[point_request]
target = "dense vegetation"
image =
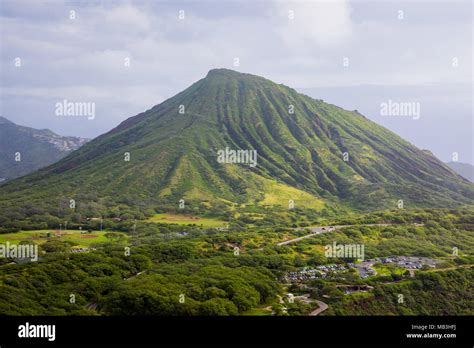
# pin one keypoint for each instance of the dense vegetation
(187, 270)
(176, 280)
(430, 293)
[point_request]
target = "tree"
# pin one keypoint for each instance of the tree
(218, 306)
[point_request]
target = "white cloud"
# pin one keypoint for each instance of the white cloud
(320, 23)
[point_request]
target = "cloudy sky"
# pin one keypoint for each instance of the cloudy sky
(355, 54)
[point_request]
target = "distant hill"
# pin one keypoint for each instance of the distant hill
(308, 151)
(466, 170)
(24, 150)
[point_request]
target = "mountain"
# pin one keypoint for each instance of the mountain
(466, 170)
(308, 151)
(24, 150)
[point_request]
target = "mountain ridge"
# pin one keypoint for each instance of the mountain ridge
(301, 143)
(25, 149)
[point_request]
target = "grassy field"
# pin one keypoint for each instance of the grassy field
(279, 194)
(167, 218)
(383, 270)
(39, 237)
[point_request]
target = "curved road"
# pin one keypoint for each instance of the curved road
(322, 307)
(323, 229)
(314, 232)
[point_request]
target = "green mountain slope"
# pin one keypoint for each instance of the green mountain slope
(24, 150)
(173, 156)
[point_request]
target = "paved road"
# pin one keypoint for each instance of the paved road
(314, 231)
(308, 300)
(322, 307)
(323, 229)
(135, 275)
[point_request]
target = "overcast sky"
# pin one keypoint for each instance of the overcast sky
(355, 54)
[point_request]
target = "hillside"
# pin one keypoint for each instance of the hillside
(36, 148)
(308, 151)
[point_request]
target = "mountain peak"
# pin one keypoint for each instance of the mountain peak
(302, 146)
(223, 72)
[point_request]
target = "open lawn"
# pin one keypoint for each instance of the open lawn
(40, 236)
(383, 270)
(279, 194)
(168, 218)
